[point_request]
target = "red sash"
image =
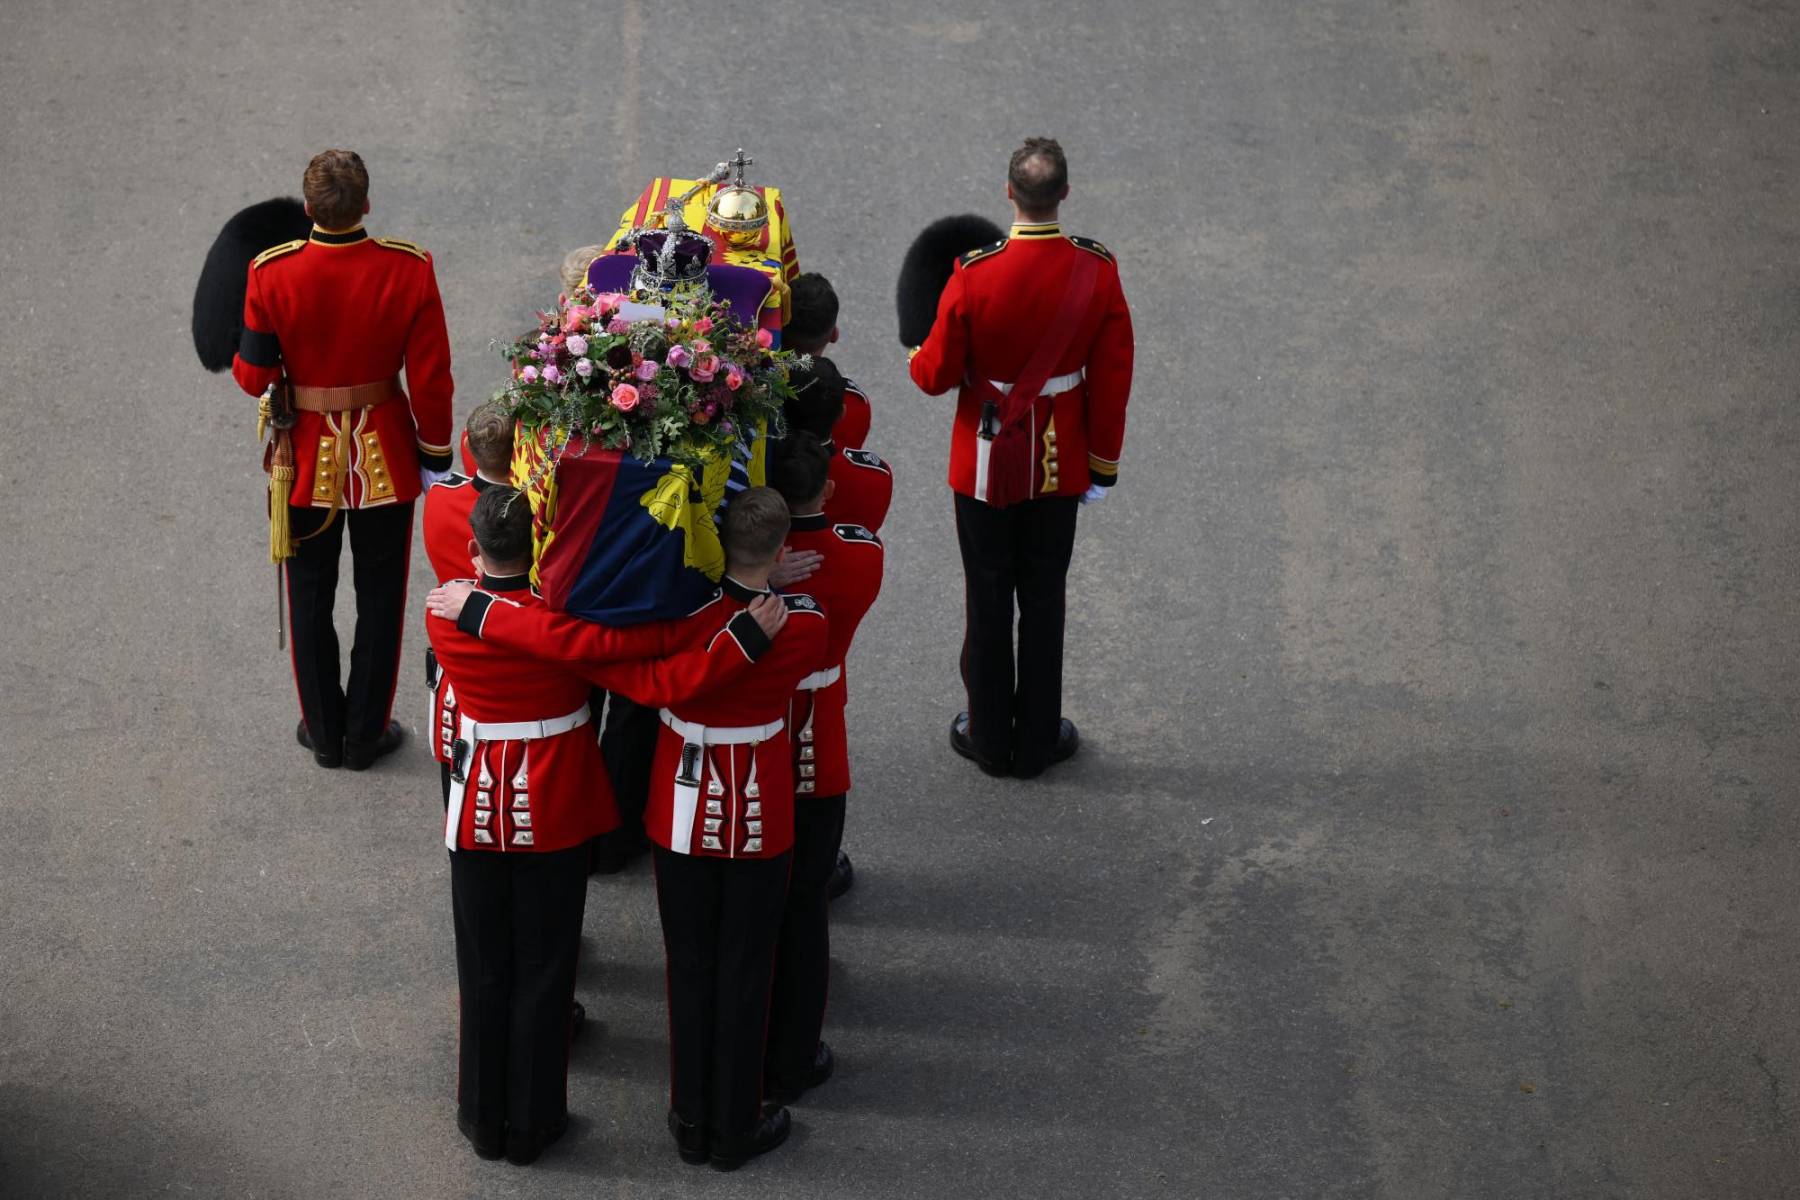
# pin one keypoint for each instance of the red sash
(1005, 477)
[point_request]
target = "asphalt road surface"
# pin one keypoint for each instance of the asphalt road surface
(1436, 659)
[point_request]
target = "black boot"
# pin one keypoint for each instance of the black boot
(362, 756)
(787, 1091)
(770, 1132)
(690, 1139)
(843, 875)
(331, 756)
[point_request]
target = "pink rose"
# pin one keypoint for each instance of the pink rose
(699, 373)
(734, 377)
(529, 374)
(703, 325)
(585, 368)
(708, 363)
(647, 369)
(701, 346)
(552, 375)
(608, 302)
(764, 338)
(624, 397)
(574, 318)
(618, 325)
(679, 356)
(578, 345)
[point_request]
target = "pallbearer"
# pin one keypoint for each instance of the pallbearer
(488, 443)
(812, 328)
(527, 794)
(338, 316)
(863, 483)
(846, 583)
(721, 819)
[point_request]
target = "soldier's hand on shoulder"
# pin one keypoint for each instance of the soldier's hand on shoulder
(795, 566)
(770, 613)
(447, 599)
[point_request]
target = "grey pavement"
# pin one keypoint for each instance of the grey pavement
(1435, 834)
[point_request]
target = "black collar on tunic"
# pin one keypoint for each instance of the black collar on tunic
(810, 522)
(343, 237)
(482, 485)
(506, 583)
(738, 591)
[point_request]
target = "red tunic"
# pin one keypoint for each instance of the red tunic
(852, 428)
(551, 793)
(865, 487)
(745, 802)
(846, 583)
(446, 522)
(988, 321)
(343, 309)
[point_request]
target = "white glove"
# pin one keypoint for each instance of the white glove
(427, 477)
(1095, 494)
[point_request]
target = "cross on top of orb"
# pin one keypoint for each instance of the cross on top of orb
(740, 162)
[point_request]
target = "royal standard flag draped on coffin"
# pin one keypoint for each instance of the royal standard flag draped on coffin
(620, 540)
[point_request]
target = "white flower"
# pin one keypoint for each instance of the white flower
(577, 345)
(584, 368)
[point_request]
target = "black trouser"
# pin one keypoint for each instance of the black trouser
(803, 953)
(1021, 552)
(380, 553)
(518, 931)
(719, 917)
(628, 744)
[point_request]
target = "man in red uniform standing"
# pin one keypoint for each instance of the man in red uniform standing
(847, 581)
(523, 807)
(1035, 334)
(488, 444)
(341, 314)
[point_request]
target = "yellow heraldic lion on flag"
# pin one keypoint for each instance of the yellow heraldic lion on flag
(621, 540)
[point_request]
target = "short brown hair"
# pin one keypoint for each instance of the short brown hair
(1039, 175)
(756, 523)
(490, 431)
(336, 187)
(575, 266)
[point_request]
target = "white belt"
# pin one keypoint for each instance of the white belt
(1052, 387)
(521, 731)
(720, 735)
(686, 795)
(820, 679)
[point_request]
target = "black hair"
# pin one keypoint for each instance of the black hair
(501, 522)
(813, 311)
(798, 468)
(818, 399)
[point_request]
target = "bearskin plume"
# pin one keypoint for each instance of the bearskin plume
(219, 296)
(926, 269)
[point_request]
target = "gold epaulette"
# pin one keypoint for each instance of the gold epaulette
(981, 252)
(274, 252)
(401, 244)
(1093, 247)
